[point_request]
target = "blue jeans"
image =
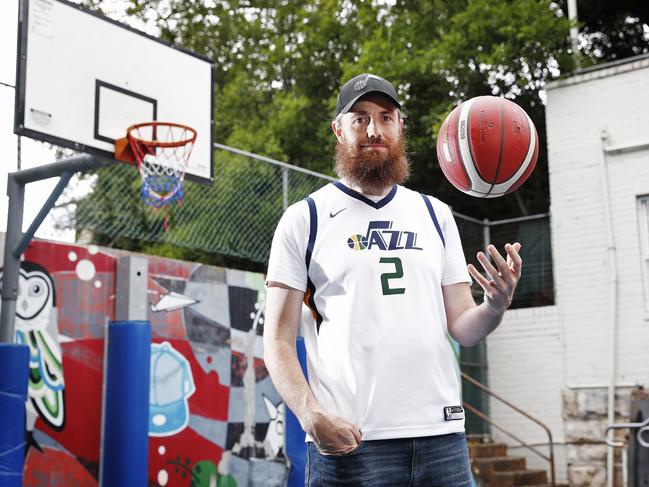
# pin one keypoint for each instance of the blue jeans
(431, 461)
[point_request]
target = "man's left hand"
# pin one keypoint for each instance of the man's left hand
(501, 281)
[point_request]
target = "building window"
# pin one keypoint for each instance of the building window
(643, 220)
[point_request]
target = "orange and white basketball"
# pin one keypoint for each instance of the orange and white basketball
(487, 146)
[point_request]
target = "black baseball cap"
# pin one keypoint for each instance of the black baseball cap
(362, 85)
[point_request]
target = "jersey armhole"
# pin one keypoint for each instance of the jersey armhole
(309, 297)
(433, 216)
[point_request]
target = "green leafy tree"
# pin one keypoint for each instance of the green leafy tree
(612, 30)
(442, 53)
(279, 65)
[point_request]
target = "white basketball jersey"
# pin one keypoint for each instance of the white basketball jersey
(377, 348)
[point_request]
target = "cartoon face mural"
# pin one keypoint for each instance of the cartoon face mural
(36, 327)
(213, 408)
(35, 297)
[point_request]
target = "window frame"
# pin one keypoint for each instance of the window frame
(643, 232)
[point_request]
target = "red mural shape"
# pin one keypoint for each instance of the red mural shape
(55, 467)
(85, 299)
(83, 369)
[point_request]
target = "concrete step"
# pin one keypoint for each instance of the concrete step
(518, 477)
(489, 465)
(487, 450)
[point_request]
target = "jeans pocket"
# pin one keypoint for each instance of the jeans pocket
(341, 455)
(349, 454)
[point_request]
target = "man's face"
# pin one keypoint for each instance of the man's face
(370, 150)
(373, 121)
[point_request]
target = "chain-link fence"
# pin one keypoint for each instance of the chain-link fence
(536, 287)
(236, 216)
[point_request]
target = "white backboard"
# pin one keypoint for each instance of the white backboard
(82, 79)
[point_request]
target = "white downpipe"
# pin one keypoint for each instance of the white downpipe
(574, 30)
(610, 467)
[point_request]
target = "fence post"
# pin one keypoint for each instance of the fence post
(486, 235)
(285, 187)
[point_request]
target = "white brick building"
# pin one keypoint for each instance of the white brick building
(555, 361)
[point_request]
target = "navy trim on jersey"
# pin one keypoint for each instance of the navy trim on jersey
(355, 194)
(429, 205)
(313, 230)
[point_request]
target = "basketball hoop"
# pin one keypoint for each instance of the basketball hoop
(162, 151)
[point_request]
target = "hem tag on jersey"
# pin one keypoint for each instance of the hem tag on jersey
(453, 413)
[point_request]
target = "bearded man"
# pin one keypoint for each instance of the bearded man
(383, 274)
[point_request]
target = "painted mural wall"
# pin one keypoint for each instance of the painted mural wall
(215, 417)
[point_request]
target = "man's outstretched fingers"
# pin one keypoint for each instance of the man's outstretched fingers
(500, 262)
(514, 258)
(491, 271)
(484, 282)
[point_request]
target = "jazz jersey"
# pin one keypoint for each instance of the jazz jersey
(378, 353)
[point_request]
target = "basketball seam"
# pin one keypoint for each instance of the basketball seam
(473, 159)
(482, 193)
(534, 134)
(529, 142)
(453, 179)
(502, 142)
(470, 140)
(506, 186)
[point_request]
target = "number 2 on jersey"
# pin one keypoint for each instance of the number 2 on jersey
(386, 276)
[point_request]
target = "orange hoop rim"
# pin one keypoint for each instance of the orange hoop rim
(159, 143)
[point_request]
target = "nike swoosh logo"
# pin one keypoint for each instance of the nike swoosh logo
(331, 215)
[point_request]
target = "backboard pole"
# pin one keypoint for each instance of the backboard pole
(15, 241)
(11, 267)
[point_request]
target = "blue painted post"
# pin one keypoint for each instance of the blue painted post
(14, 364)
(295, 445)
(125, 417)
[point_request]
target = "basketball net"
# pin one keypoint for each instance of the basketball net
(162, 151)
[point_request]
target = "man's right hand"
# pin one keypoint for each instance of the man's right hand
(332, 434)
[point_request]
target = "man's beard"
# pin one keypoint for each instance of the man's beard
(372, 170)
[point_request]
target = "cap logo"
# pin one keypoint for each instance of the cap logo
(361, 84)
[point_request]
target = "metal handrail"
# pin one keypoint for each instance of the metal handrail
(481, 415)
(642, 428)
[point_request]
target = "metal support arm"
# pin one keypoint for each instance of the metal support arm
(15, 241)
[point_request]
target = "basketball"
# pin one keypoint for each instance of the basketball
(487, 147)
